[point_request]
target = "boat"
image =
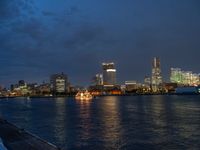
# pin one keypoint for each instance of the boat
(83, 95)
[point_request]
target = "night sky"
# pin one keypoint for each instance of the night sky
(42, 37)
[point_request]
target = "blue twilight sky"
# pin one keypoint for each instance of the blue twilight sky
(41, 37)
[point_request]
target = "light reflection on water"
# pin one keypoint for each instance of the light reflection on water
(60, 119)
(111, 123)
(85, 121)
(138, 122)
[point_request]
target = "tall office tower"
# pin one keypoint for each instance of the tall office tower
(99, 79)
(156, 79)
(109, 74)
(59, 83)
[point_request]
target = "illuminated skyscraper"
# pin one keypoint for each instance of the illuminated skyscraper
(109, 74)
(99, 79)
(59, 83)
(156, 80)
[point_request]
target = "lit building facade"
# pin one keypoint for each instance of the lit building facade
(147, 81)
(176, 75)
(186, 78)
(99, 79)
(59, 83)
(20, 89)
(131, 86)
(109, 74)
(156, 79)
(147, 84)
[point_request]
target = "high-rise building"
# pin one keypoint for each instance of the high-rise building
(156, 79)
(59, 83)
(99, 79)
(109, 74)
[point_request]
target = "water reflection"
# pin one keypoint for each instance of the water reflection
(84, 123)
(60, 120)
(111, 124)
(159, 119)
(158, 111)
(138, 122)
(84, 102)
(24, 112)
(187, 120)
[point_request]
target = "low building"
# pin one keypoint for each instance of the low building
(131, 86)
(44, 89)
(170, 87)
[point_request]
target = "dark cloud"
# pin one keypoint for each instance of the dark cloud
(84, 37)
(32, 28)
(38, 38)
(33, 44)
(48, 13)
(72, 10)
(10, 9)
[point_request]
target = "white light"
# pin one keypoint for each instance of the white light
(111, 63)
(111, 70)
(130, 83)
(108, 85)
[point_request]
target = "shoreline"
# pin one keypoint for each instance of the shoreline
(14, 137)
(169, 94)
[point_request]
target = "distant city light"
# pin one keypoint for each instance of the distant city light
(184, 77)
(111, 70)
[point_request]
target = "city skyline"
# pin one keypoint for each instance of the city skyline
(105, 66)
(39, 38)
(99, 74)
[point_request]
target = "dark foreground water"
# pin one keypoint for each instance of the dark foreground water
(132, 123)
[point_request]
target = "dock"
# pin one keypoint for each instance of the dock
(14, 138)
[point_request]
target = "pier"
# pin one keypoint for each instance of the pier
(15, 138)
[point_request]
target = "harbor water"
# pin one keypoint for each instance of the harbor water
(110, 122)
